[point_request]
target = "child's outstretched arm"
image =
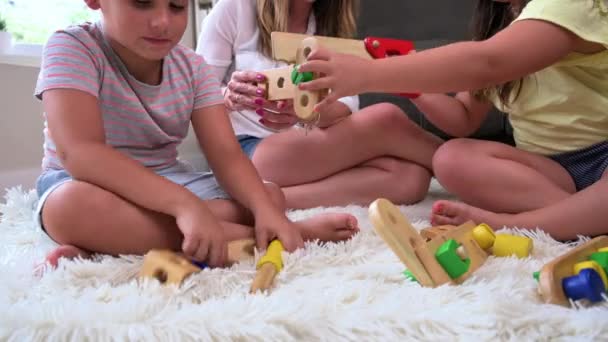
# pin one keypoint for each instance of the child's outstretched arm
(75, 123)
(521, 49)
(237, 175)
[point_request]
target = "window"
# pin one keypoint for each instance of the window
(33, 21)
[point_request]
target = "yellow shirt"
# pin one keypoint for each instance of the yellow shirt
(564, 107)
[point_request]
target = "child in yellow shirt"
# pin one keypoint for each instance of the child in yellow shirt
(545, 63)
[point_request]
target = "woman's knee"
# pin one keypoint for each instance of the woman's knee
(406, 182)
(385, 116)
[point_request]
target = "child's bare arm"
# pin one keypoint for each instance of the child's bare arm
(75, 123)
(519, 50)
(236, 173)
(458, 116)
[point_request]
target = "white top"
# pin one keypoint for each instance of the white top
(229, 41)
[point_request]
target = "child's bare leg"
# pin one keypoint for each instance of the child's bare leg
(83, 217)
(499, 177)
(394, 179)
(583, 213)
(372, 136)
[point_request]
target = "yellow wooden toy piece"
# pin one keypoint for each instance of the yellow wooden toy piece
(168, 267)
(506, 245)
(484, 235)
(268, 267)
(594, 266)
(551, 275)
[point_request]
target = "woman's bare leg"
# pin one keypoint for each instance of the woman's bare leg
(350, 159)
(394, 179)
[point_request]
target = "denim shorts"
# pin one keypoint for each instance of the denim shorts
(586, 166)
(248, 144)
(202, 184)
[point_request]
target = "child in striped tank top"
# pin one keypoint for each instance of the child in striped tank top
(118, 97)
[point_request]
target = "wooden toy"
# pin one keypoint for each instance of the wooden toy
(572, 277)
(442, 254)
(168, 267)
(502, 245)
(293, 48)
(267, 267)
(459, 253)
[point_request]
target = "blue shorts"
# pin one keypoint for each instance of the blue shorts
(248, 144)
(202, 184)
(586, 166)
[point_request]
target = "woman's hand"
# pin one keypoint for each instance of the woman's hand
(242, 91)
(278, 115)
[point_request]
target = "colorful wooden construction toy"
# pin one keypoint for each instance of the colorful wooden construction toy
(576, 275)
(268, 267)
(442, 254)
(168, 267)
(450, 257)
(294, 49)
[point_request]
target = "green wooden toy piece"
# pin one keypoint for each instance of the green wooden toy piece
(299, 77)
(601, 258)
(536, 275)
(409, 275)
(448, 258)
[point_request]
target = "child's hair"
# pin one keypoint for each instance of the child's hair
(335, 18)
(490, 18)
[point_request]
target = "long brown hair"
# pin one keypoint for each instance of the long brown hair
(490, 18)
(335, 18)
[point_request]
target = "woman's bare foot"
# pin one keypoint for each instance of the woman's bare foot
(65, 251)
(329, 227)
(457, 213)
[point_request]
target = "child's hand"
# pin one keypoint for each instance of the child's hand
(342, 74)
(203, 236)
(242, 91)
(276, 226)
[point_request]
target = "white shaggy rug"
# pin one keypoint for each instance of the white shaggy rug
(348, 291)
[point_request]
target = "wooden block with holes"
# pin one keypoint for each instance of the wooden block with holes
(284, 45)
(552, 274)
(170, 268)
(167, 267)
(278, 85)
(417, 254)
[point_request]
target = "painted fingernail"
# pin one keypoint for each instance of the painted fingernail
(262, 121)
(260, 92)
(260, 112)
(260, 77)
(259, 102)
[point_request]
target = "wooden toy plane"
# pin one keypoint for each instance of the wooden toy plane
(417, 253)
(295, 48)
(552, 275)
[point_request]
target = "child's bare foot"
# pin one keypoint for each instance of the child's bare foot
(52, 258)
(457, 213)
(65, 251)
(329, 227)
